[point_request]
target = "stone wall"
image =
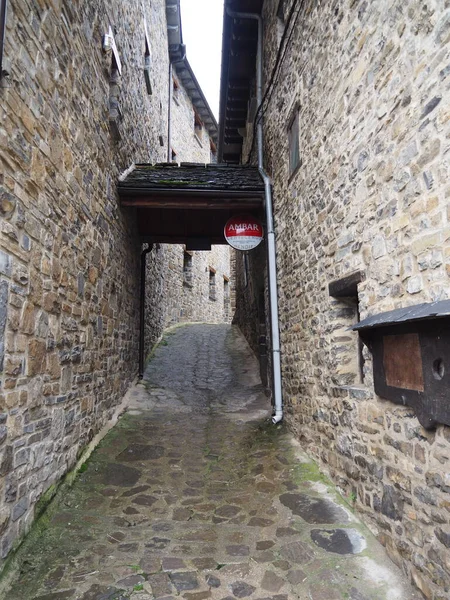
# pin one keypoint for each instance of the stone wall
(370, 81)
(191, 143)
(252, 307)
(178, 288)
(69, 262)
(184, 281)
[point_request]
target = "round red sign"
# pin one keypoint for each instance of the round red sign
(243, 232)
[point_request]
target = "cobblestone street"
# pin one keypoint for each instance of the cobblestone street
(194, 494)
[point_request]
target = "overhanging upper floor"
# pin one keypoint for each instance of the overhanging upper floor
(190, 203)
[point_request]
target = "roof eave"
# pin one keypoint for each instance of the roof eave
(226, 33)
(202, 110)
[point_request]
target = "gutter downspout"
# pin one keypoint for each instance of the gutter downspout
(169, 114)
(169, 110)
(271, 247)
(142, 309)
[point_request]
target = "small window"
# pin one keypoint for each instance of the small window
(344, 314)
(147, 61)
(281, 20)
(294, 142)
(213, 151)
(174, 156)
(246, 268)
(212, 284)
(176, 90)
(187, 269)
(198, 125)
(226, 298)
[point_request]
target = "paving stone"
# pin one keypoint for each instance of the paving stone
(264, 544)
(116, 537)
(62, 595)
(197, 595)
(265, 487)
(284, 565)
(150, 565)
(160, 584)
(314, 510)
(136, 490)
(135, 452)
(296, 576)
(264, 557)
(206, 535)
(259, 522)
(228, 511)
(324, 593)
(182, 514)
(237, 550)
(162, 526)
(109, 492)
(297, 552)
(286, 531)
(213, 581)
(204, 563)
(145, 500)
(185, 580)
(130, 510)
(156, 543)
(355, 594)
(120, 475)
(340, 541)
(241, 589)
(271, 582)
(131, 581)
(172, 564)
(100, 592)
(241, 570)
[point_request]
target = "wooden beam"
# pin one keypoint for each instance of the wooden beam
(192, 203)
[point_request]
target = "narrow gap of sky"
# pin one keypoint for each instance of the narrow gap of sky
(201, 21)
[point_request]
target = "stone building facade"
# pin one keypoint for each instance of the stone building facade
(364, 88)
(183, 285)
(76, 112)
(192, 140)
(196, 286)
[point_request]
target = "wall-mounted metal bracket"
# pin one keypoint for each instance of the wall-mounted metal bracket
(109, 45)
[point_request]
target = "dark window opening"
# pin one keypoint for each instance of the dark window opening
(198, 125)
(346, 314)
(294, 142)
(212, 284)
(213, 151)
(176, 90)
(187, 269)
(246, 269)
(281, 20)
(147, 62)
(174, 156)
(226, 298)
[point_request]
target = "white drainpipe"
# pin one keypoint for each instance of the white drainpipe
(271, 248)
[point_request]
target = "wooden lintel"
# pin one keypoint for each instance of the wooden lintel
(192, 203)
(179, 239)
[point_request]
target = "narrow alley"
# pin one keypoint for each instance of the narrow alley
(194, 494)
